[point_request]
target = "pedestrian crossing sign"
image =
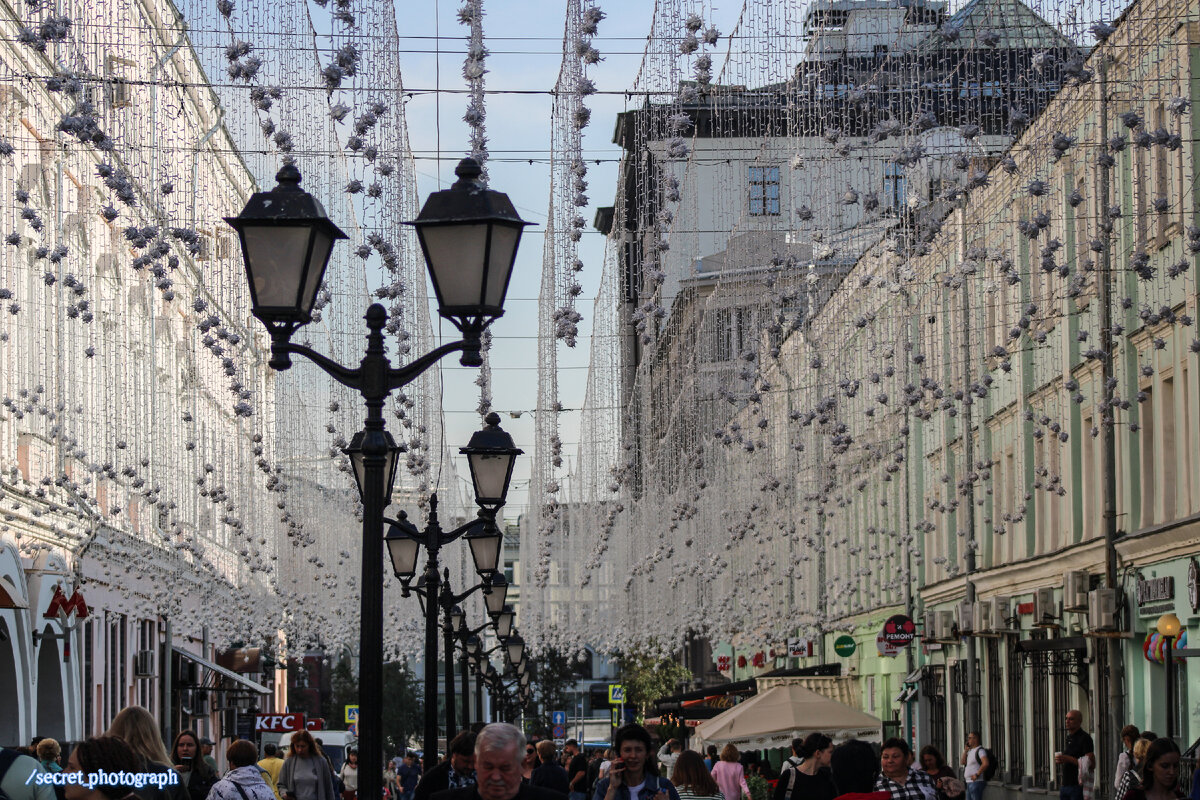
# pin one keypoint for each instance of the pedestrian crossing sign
(616, 694)
(351, 714)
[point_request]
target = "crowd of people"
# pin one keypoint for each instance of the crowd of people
(498, 763)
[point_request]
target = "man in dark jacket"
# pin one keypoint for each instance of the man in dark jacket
(456, 772)
(499, 751)
(549, 774)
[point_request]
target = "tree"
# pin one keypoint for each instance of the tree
(403, 708)
(553, 683)
(344, 692)
(646, 679)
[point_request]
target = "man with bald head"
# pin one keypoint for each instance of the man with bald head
(1077, 744)
(499, 750)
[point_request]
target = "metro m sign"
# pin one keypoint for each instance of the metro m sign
(278, 723)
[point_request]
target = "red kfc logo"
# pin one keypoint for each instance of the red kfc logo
(278, 723)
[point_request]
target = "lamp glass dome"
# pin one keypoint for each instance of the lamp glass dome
(491, 454)
(1168, 625)
(515, 647)
(485, 543)
(474, 646)
(469, 236)
(494, 599)
(286, 241)
(403, 550)
(358, 461)
(457, 618)
(504, 623)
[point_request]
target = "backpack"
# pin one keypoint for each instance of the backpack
(792, 763)
(7, 758)
(993, 763)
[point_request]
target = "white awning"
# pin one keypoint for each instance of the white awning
(217, 668)
(775, 717)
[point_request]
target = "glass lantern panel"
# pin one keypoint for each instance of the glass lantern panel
(504, 250)
(322, 245)
(276, 256)
(403, 552)
(455, 254)
(485, 551)
(490, 472)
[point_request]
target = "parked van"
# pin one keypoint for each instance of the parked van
(333, 743)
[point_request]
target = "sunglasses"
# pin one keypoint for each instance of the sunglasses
(529, 751)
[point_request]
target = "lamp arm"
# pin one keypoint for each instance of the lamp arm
(476, 631)
(347, 377)
(455, 599)
(402, 376)
(450, 536)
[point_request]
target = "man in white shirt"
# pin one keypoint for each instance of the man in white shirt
(975, 763)
(668, 754)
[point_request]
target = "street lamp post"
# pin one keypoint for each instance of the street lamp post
(1168, 627)
(469, 236)
(404, 542)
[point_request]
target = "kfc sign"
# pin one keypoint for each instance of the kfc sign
(278, 723)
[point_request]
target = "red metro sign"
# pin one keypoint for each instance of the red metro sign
(61, 605)
(278, 723)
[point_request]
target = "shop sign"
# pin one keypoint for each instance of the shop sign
(278, 723)
(899, 631)
(1193, 585)
(1155, 590)
(886, 648)
(845, 646)
(801, 648)
(1155, 596)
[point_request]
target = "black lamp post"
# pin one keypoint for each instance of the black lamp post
(405, 542)
(469, 236)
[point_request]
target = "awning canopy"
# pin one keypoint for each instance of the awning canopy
(245, 683)
(778, 715)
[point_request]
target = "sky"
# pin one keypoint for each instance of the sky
(525, 44)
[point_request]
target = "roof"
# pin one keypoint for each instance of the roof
(1018, 26)
(777, 716)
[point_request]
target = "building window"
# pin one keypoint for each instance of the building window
(764, 191)
(1016, 715)
(995, 700)
(893, 184)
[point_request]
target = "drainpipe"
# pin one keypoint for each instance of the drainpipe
(973, 698)
(1108, 442)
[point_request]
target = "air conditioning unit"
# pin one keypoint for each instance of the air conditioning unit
(1075, 590)
(943, 626)
(1002, 615)
(964, 621)
(983, 617)
(930, 633)
(1103, 610)
(1045, 610)
(143, 664)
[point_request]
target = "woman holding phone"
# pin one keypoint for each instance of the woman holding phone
(630, 776)
(194, 773)
(305, 774)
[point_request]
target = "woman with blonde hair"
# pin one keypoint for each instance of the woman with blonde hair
(48, 752)
(136, 727)
(729, 774)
